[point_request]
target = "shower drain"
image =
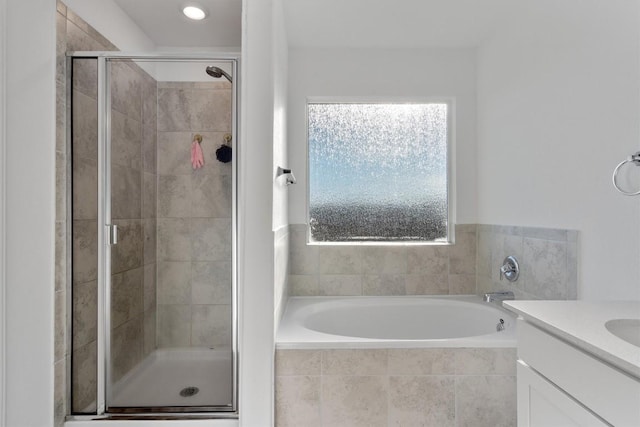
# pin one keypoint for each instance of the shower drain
(189, 391)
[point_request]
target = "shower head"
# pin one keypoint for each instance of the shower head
(217, 73)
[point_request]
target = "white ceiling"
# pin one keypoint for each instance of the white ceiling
(329, 23)
(393, 23)
(163, 22)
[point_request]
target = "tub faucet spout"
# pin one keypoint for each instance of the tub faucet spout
(499, 296)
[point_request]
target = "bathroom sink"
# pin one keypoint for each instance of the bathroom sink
(626, 329)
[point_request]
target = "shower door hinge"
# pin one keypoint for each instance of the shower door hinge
(112, 234)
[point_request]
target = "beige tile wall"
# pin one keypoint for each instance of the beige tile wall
(396, 387)
(383, 270)
(194, 217)
(548, 260)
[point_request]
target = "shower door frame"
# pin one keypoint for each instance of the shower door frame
(105, 229)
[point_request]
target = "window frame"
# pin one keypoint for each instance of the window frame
(451, 162)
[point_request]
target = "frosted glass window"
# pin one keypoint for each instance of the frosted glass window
(378, 172)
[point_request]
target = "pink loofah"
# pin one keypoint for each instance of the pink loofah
(197, 157)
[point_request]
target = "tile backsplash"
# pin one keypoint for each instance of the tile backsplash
(547, 258)
(383, 270)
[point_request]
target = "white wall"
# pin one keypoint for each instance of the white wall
(558, 108)
(403, 73)
(30, 178)
(116, 26)
(256, 269)
(113, 23)
(3, 37)
(280, 157)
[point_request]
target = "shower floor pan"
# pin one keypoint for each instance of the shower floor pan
(177, 380)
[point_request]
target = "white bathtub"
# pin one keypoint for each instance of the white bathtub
(394, 322)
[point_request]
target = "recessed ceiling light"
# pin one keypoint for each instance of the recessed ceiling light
(194, 12)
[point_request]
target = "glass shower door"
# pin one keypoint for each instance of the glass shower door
(153, 243)
(170, 321)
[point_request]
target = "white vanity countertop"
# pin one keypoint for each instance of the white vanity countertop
(582, 323)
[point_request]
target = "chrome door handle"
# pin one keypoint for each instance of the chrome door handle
(112, 234)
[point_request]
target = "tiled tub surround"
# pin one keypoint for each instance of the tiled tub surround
(416, 386)
(194, 217)
(396, 387)
(548, 260)
(323, 270)
(547, 257)
(379, 367)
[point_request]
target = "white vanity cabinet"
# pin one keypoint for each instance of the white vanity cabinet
(562, 385)
(542, 404)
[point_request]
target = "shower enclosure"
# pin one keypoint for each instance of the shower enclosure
(153, 307)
